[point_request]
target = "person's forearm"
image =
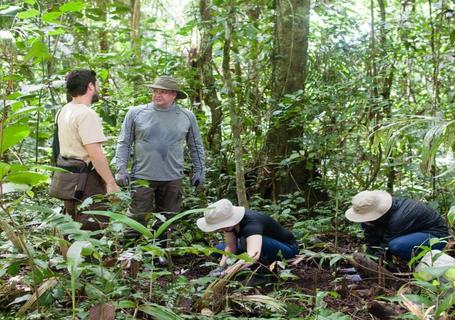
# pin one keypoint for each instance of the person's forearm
(102, 167)
(99, 161)
(224, 258)
(124, 143)
(122, 155)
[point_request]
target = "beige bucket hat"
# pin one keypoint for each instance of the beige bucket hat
(221, 214)
(168, 83)
(369, 206)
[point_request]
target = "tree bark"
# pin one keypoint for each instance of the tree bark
(207, 90)
(236, 122)
(289, 74)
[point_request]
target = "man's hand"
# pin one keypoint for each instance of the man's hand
(123, 178)
(218, 272)
(198, 179)
(112, 187)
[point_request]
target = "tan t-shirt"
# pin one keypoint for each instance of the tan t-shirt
(78, 125)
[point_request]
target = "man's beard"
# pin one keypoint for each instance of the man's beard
(95, 98)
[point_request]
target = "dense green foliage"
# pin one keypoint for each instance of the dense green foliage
(376, 111)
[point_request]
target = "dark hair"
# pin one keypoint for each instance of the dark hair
(77, 81)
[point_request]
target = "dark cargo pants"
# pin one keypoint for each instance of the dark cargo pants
(95, 185)
(164, 197)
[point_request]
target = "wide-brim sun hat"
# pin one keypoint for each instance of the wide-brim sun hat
(369, 206)
(168, 83)
(221, 214)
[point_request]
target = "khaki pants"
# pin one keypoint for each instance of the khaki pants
(163, 197)
(95, 185)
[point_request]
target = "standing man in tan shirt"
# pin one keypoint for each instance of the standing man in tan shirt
(81, 136)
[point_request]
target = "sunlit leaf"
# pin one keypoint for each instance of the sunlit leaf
(125, 304)
(451, 215)
(74, 256)
(4, 168)
(166, 225)
(159, 312)
(51, 16)
(28, 178)
(38, 50)
(28, 14)
(13, 135)
(125, 220)
(57, 32)
(72, 6)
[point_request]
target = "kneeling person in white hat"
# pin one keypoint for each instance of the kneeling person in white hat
(401, 225)
(263, 238)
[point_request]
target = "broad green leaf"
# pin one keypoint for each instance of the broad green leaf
(72, 6)
(451, 215)
(166, 225)
(13, 135)
(25, 110)
(48, 168)
(27, 14)
(57, 32)
(125, 220)
(51, 16)
(447, 302)
(15, 167)
(27, 177)
(4, 168)
(74, 256)
(159, 312)
(93, 292)
(30, 1)
(38, 50)
(125, 304)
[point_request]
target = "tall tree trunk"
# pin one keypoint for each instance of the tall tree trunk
(207, 90)
(236, 122)
(135, 22)
(289, 73)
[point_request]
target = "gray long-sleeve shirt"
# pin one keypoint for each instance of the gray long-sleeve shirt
(159, 137)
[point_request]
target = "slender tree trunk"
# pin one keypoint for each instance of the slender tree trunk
(289, 74)
(135, 29)
(135, 22)
(236, 122)
(207, 90)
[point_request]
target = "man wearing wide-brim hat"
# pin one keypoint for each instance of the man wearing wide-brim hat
(155, 134)
(399, 225)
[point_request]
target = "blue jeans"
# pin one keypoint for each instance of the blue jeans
(404, 246)
(269, 250)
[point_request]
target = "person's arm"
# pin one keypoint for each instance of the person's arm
(196, 148)
(99, 161)
(124, 143)
(253, 248)
(231, 246)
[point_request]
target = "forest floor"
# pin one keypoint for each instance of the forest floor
(314, 281)
(311, 283)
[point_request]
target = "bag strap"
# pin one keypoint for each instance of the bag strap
(55, 140)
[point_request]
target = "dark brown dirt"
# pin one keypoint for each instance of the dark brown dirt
(354, 299)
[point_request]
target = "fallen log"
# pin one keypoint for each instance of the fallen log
(373, 270)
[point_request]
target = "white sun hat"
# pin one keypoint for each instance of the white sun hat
(369, 206)
(221, 214)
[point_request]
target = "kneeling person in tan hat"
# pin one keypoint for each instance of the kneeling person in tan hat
(402, 225)
(247, 231)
